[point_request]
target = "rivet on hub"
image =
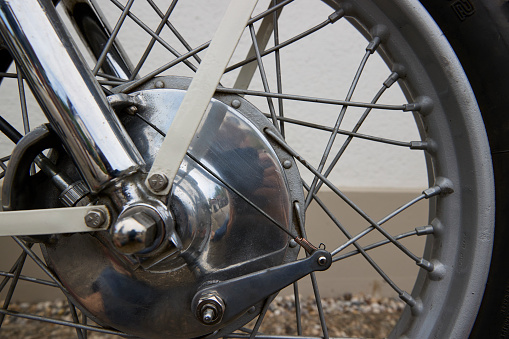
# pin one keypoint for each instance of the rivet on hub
(235, 103)
(287, 164)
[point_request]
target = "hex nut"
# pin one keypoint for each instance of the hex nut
(210, 309)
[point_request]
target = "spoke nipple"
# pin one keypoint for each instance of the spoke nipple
(336, 15)
(432, 191)
(424, 230)
(95, 218)
(158, 182)
(425, 264)
(159, 84)
(391, 79)
(442, 186)
(419, 145)
(373, 44)
(411, 107)
(407, 298)
(287, 164)
(235, 103)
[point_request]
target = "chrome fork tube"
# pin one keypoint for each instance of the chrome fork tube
(66, 90)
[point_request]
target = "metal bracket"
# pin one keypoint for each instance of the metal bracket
(182, 130)
(52, 221)
(239, 294)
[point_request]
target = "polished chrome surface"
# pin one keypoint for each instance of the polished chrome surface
(221, 236)
(137, 230)
(72, 100)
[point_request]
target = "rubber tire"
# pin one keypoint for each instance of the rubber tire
(478, 31)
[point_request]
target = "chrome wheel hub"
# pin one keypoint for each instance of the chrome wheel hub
(230, 167)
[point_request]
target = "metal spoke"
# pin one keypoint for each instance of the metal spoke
(298, 313)
(22, 100)
(263, 75)
(375, 245)
(434, 191)
(111, 77)
(12, 270)
(75, 318)
(84, 320)
(267, 336)
(29, 279)
(381, 222)
(154, 35)
(40, 263)
(63, 323)
(403, 295)
(312, 275)
(268, 11)
(279, 82)
(263, 35)
(163, 68)
(112, 37)
(144, 57)
(422, 145)
(330, 20)
(8, 75)
(261, 316)
(174, 30)
(392, 78)
(3, 165)
(403, 107)
(13, 285)
(374, 44)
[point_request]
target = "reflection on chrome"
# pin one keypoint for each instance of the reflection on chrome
(222, 236)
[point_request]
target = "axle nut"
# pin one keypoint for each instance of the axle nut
(210, 309)
(135, 233)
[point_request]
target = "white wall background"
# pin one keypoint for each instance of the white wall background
(322, 65)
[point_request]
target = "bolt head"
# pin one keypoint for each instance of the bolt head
(158, 182)
(159, 84)
(134, 233)
(95, 218)
(287, 164)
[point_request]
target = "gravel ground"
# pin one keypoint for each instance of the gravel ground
(348, 316)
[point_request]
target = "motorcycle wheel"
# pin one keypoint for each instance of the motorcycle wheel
(445, 298)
